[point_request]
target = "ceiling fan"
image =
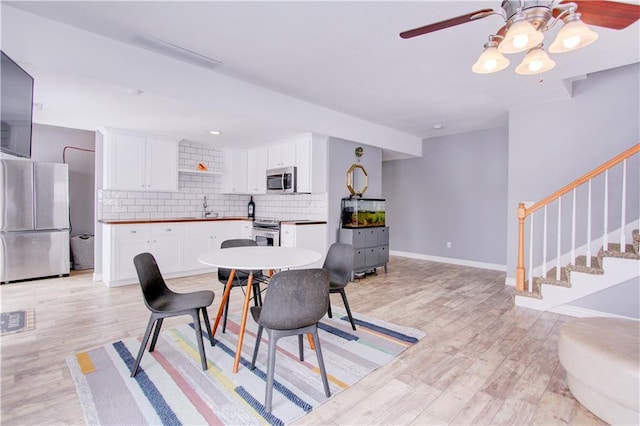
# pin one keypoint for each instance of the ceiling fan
(525, 22)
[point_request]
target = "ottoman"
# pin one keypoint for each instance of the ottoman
(602, 359)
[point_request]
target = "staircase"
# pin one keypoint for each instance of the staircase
(608, 268)
(559, 271)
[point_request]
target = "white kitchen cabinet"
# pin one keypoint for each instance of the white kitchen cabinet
(123, 242)
(204, 236)
(235, 181)
(305, 235)
(303, 163)
(307, 153)
(282, 155)
(175, 246)
(256, 170)
(139, 162)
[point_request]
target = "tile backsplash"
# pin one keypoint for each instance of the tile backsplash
(187, 202)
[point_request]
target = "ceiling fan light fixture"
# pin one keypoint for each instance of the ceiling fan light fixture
(490, 60)
(537, 61)
(521, 35)
(575, 34)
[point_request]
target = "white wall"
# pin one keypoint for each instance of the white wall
(456, 192)
(48, 143)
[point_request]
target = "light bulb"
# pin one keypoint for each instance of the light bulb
(490, 64)
(520, 41)
(535, 66)
(571, 42)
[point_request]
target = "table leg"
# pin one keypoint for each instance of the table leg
(223, 302)
(243, 322)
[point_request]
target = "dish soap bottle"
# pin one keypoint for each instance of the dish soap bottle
(251, 208)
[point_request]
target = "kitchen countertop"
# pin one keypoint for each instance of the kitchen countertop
(200, 219)
(303, 222)
(175, 219)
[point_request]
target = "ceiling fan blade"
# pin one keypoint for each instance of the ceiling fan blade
(444, 24)
(607, 14)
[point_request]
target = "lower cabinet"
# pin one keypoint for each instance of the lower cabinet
(370, 246)
(204, 236)
(123, 242)
(175, 246)
(309, 236)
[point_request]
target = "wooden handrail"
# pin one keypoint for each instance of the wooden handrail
(576, 183)
(523, 212)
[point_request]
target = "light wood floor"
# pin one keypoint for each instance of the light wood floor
(483, 361)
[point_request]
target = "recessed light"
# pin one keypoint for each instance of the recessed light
(438, 126)
(215, 132)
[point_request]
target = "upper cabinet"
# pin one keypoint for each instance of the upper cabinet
(235, 181)
(282, 155)
(246, 169)
(257, 170)
(300, 152)
(139, 162)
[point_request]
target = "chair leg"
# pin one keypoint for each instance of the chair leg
(346, 305)
(257, 296)
(323, 372)
(271, 365)
(301, 347)
(155, 334)
(226, 310)
(143, 345)
(256, 348)
(207, 324)
(196, 323)
(329, 308)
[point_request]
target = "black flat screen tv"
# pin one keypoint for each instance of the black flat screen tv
(16, 108)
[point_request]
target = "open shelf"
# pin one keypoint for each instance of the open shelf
(200, 172)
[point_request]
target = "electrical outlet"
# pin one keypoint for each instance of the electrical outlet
(448, 244)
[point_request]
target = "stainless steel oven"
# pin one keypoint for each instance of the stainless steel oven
(266, 232)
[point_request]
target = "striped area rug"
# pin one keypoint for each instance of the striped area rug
(171, 388)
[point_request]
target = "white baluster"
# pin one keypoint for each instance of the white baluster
(573, 229)
(544, 244)
(623, 219)
(558, 248)
(605, 236)
(531, 254)
(589, 226)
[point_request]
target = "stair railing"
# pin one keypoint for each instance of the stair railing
(524, 213)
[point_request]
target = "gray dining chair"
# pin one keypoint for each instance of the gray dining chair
(339, 263)
(163, 303)
(294, 303)
(241, 277)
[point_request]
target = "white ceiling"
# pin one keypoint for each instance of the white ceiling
(331, 67)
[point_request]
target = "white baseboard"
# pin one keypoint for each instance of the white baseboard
(578, 312)
(510, 281)
(450, 260)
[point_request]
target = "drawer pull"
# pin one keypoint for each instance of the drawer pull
(133, 231)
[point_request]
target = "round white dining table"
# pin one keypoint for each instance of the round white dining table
(253, 258)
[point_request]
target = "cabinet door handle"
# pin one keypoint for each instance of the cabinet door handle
(133, 231)
(168, 229)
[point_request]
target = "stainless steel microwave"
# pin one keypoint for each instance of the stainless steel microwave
(282, 180)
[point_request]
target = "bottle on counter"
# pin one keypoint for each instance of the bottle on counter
(251, 213)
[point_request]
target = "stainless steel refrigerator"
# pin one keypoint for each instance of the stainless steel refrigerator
(34, 220)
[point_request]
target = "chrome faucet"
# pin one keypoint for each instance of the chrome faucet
(205, 212)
